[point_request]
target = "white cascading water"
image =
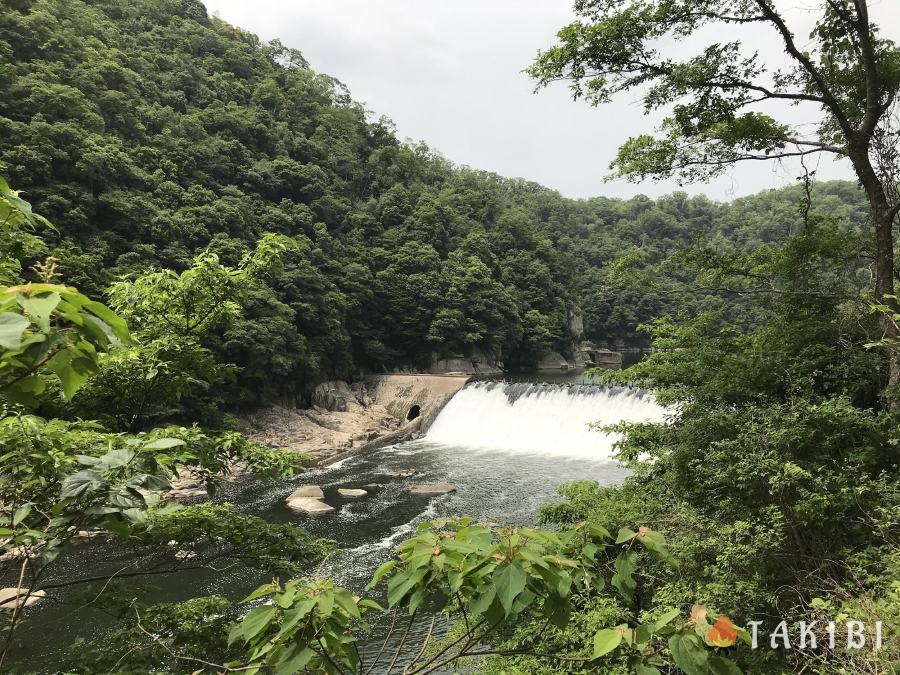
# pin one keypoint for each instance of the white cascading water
(541, 418)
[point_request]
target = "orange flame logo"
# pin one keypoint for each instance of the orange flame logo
(722, 633)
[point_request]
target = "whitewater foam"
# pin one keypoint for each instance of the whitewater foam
(541, 418)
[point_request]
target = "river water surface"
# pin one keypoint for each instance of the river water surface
(507, 447)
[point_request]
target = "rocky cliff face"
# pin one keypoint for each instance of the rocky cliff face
(347, 419)
(476, 362)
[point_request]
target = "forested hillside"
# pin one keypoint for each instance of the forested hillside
(148, 131)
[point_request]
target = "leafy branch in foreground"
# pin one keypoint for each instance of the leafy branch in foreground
(484, 580)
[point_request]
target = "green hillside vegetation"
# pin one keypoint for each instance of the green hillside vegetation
(149, 132)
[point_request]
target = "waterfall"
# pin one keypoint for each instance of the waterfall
(541, 418)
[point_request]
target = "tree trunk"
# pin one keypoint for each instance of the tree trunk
(882, 222)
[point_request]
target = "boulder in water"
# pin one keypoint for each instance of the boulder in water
(352, 493)
(10, 598)
(313, 491)
(308, 505)
(432, 489)
(372, 488)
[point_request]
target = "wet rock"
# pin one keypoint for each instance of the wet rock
(432, 489)
(373, 488)
(309, 505)
(10, 598)
(352, 493)
(312, 491)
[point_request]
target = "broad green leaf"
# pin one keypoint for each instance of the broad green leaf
(606, 641)
(665, 619)
(265, 589)
(39, 308)
(257, 621)
(644, 669)
(719, 665)
(623, 579)
(295, 614)
(345, 601)
(164, 444)
(12, 326)
(21, 513)
(325, 603)
(509, 580)
(624, 535)
(689, 654)
(481, 604)
(113, 320)
(380, 572)
(116, 457)
(79, 483)
(69, 377)
(295, 660)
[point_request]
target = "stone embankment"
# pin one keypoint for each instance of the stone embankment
(347, 419)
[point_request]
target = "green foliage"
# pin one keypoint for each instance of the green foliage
(710, 96)
(151, 159)
(489, 579)
(218, 532)
(17, 239)
(197, 628)
(48, 328)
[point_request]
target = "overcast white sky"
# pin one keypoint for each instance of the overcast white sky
(450, 73)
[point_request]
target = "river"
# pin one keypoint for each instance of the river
(507, 447)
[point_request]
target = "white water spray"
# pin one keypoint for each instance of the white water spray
(541, 418)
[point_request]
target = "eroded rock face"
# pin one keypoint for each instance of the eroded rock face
(313, 491)
(476, 361)
(375, 416)
(308, 505)
(352, 493)
(432, 489)
(554, 361)
(12, 597)
(335, 396)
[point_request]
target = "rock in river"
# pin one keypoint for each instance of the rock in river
(312, 491)
(308, 505)
(10, 597)
(431, 489)
(352, 493)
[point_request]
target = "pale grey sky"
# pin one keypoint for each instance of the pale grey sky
(449, 73)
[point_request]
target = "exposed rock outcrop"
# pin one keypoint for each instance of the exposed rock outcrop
(348, 419)
(475, 362)
(335, 396)
(554, 361)
(574, 321)
(432, 489)
(589, 356)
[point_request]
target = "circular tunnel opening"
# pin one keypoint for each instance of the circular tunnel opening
(413, 413)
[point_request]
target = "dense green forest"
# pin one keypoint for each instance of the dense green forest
(148, 132)
(220, 226)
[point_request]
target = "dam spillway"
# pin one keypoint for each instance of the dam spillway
(541, 418)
